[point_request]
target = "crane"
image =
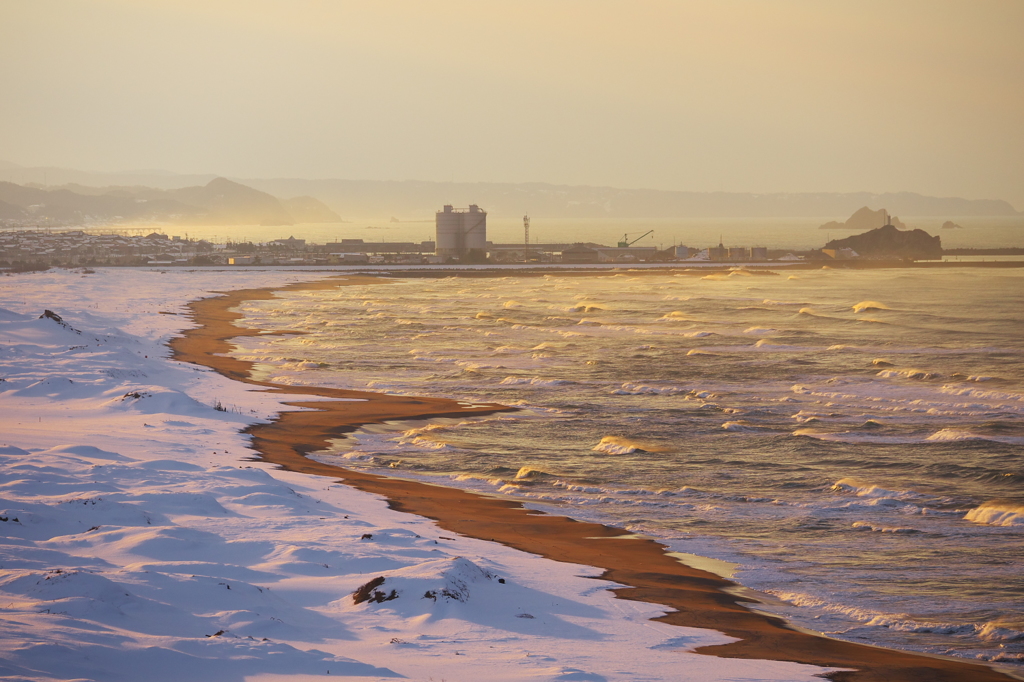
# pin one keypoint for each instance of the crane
(624, 242)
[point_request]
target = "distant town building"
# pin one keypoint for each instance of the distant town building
(717, 252)
(347, 258)
(461, 231)
(759, 253)
(682, 251)
(738, 253)
(579, 253)
(360, 246)
(291, 243)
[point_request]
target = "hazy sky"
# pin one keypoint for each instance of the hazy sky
(733, 95)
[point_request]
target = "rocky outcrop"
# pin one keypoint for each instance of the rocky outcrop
(890, 242)
(864, 219)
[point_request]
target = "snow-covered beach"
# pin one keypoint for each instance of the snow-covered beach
(143, 541)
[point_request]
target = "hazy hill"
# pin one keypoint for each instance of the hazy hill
(415, 199)
(65, 204)
(10, 211)
(310, 210)
(220, 201)
(419, 200)
(889, 241)
(228, 203)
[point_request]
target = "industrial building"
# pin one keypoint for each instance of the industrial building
(461, 232)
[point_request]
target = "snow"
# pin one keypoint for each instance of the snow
(140, 540)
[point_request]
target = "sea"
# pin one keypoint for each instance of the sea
(847, 443)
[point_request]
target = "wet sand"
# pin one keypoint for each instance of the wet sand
(696, 598)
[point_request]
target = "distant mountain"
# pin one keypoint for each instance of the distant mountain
(230, 203)
(219, 202)
(310, 210)
(891, 242)
(410, 200)
(415, 199)
(864, 219)
(10, 211)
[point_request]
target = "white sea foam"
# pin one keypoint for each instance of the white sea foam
(645, 389)
(533, 381)
(740, 426)
(866, 525)
(906, 374)
(948, 435)
(861, 489)
(997, 514)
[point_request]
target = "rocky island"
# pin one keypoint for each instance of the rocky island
(889, 241)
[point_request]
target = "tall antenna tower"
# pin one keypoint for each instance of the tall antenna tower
(526, 238)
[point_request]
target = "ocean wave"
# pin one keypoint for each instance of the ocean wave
(533, 381)
(759, 330)
(907, 374)
(645, 389)
(869, 305)
(865, 525)
(950, 435)
(805, 417)
(997, 514)
(950, 389)
(426, 443)
(870, 490)
(525, 473)
(616, 445)
(902, 622)
(741, 426)
(461, 478)
(766, 344)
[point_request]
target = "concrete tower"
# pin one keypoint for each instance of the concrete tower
(461, 230)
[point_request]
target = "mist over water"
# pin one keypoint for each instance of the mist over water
(851, 439)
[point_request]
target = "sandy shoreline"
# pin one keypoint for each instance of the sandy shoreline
(699, 598)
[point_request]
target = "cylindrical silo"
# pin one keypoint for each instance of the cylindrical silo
(448, 233)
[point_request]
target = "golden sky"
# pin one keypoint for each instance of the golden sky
(733, 95)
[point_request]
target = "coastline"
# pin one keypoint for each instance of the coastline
(700, 599)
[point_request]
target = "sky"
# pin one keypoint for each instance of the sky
(725, 95)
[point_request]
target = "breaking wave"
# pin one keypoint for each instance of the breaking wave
(949, 435)
(997, 514)
(902, 622)
(864, 306)
(616, 445)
